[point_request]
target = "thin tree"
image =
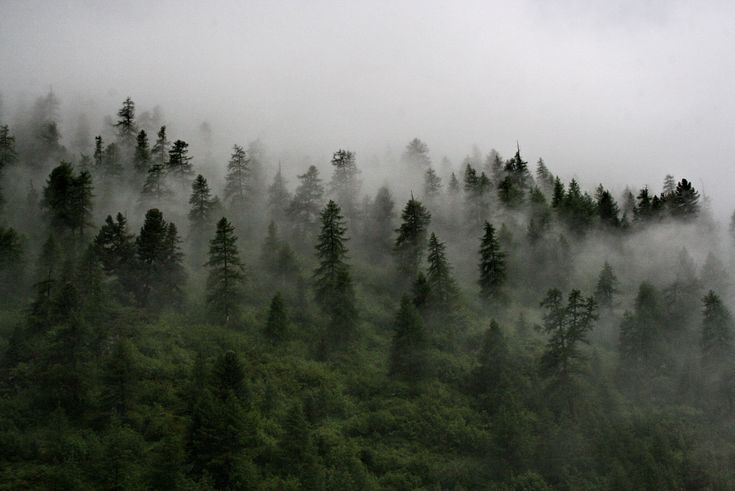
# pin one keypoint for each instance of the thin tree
(226, 273)
(411, 241)
(237, 181)
(492, 265)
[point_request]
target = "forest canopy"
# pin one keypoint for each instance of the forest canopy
(169, 321)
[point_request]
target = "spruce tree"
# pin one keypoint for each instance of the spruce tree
(142, 156)
(226, 273)
(155, 189)
(237, 181)
(99, 154)
(332, 283)
(345, 186)
(126, 127)
(416, 154)
(453, 185)
(408, 350)
(179, 162)
(304, 208)
(442, 287)
(269, 251)
(159, 259)
(160, 149)
(411, 241)
(685, 200)
(492, 265)
(48, 272)
(115, 247)
(201, 204)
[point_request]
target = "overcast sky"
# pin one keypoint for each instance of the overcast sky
(620, 92)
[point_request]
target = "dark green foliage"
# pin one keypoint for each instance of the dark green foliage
(408, 351)
(159, 258)
(607, 208)
(202, 204)
(155, 188)
(442, 288)
(411, 240)
(228, 378)
(226, 273)
(119, 378)
(491, 380)
(67, 199)
(492, 265)
(567, 328)
(332, 283)
(277, 325)
(10, 248)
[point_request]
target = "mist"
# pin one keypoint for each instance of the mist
(328, 246)
(599, 90)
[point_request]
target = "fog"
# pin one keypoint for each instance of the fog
(620, 92)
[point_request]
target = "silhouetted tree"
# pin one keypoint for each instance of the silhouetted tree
(492, 265)
(411, 240)
(408, 351)
(237, 181)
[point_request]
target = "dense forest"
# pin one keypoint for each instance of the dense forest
(169, 321)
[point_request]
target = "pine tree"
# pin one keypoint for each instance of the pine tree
(201, 202)
(237, 181)
(155, 189)
(345, 185)
(567, 328)
(685, 201)
(492, 265)
(126, 127)
(159, 260)
(161, 148)
(332, 282)
(411, 240)
(607, 208)
(417, 154)
(115, 247)
(408, 350)
(421, 291)
(179, 161)
(67, 199)
(142, 156)
(306, 203)
(226, 273)
(442, 286)
(277, 325)
(99, 154)
(278, 197)
(606, 288)
(111, 157)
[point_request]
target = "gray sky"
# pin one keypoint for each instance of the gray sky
(620, 92)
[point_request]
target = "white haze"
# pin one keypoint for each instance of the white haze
(618, 92)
